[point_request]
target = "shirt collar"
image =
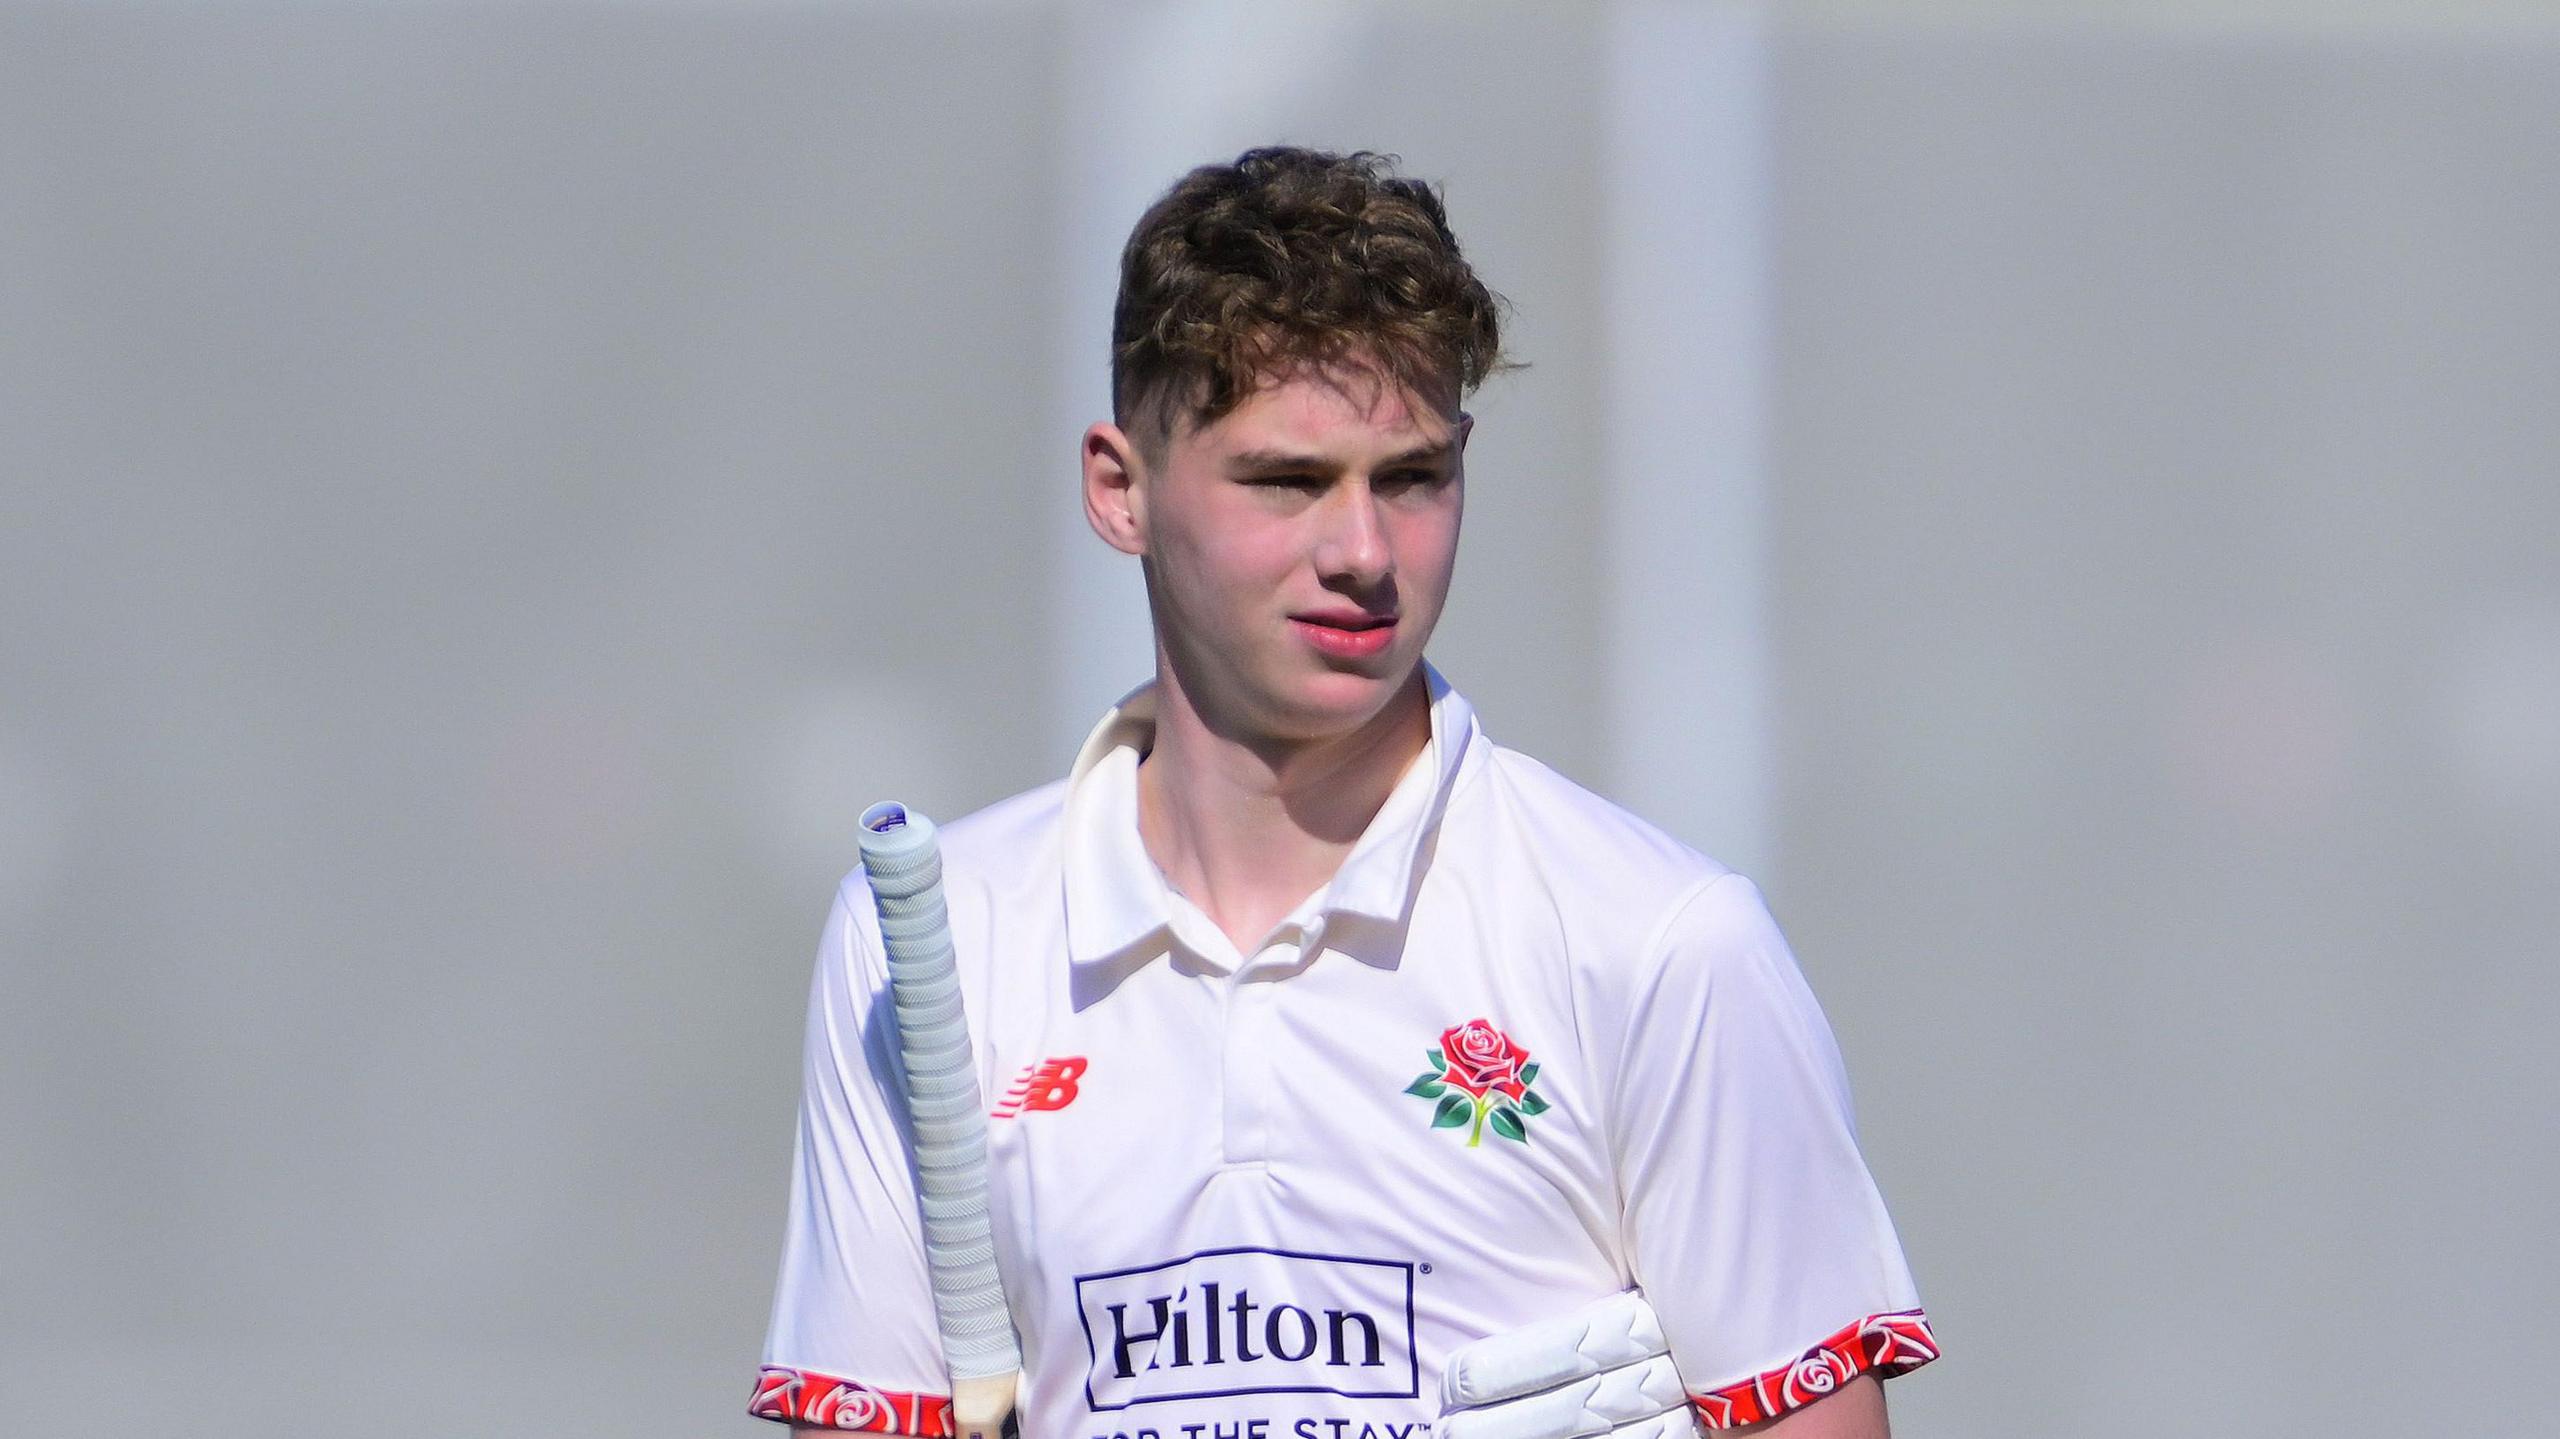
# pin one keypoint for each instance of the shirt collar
(1118, 901)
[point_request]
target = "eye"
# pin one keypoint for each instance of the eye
(1285, 482)
(1400, 482)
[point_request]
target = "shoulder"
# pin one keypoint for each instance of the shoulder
(1005, 844)
(1589, 850)
(1646, 909)
(1007, 833)
(1659, 941)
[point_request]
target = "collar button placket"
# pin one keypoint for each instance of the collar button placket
(1248, 1066)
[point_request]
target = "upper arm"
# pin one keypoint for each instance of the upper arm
(1749, 1217)
(852, 1342)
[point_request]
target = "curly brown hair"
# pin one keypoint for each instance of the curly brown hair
(1291, 256)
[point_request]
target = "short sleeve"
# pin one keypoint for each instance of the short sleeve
(852, 1343)
(1751, 1222)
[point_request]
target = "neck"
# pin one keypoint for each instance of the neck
(1248, 828)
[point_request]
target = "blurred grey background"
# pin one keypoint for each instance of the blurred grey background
(2064, 493)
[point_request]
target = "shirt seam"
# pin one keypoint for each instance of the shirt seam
(1656, 954)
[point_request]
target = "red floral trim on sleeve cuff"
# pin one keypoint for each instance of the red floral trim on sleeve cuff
(1889, 1344)
(802, 1396)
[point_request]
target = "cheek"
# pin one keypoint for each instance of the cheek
(1427, 549)
(1219, 566)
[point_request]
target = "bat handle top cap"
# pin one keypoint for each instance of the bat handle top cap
(899, 848)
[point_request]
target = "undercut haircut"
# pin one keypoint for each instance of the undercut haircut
(1290, 257)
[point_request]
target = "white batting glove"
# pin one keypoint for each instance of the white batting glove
(1604, 1369)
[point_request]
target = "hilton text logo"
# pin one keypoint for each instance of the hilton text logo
(1249, 1321)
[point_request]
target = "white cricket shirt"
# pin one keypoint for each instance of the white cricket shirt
(1522, 1052)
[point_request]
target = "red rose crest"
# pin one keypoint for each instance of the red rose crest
(1480, 1076)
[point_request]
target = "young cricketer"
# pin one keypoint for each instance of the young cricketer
(1326, 1037)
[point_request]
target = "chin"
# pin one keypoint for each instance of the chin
(1341, 701)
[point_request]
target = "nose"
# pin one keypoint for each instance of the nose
(1353, 549)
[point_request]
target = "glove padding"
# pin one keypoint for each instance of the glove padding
(1604, 1369)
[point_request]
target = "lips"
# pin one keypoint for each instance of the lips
(1345, 619)
(1346, 634)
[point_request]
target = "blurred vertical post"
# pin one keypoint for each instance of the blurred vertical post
(1220, 77)
(1685, 342)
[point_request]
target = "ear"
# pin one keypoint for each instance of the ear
(1466, 427)
(1115, 500)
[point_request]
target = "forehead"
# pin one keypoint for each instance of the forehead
(1330, 408)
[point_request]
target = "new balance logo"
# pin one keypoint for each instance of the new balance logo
(1049, 1084)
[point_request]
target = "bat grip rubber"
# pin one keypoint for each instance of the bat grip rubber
(904, 865)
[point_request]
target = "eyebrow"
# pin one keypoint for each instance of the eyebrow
(1276, 461)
